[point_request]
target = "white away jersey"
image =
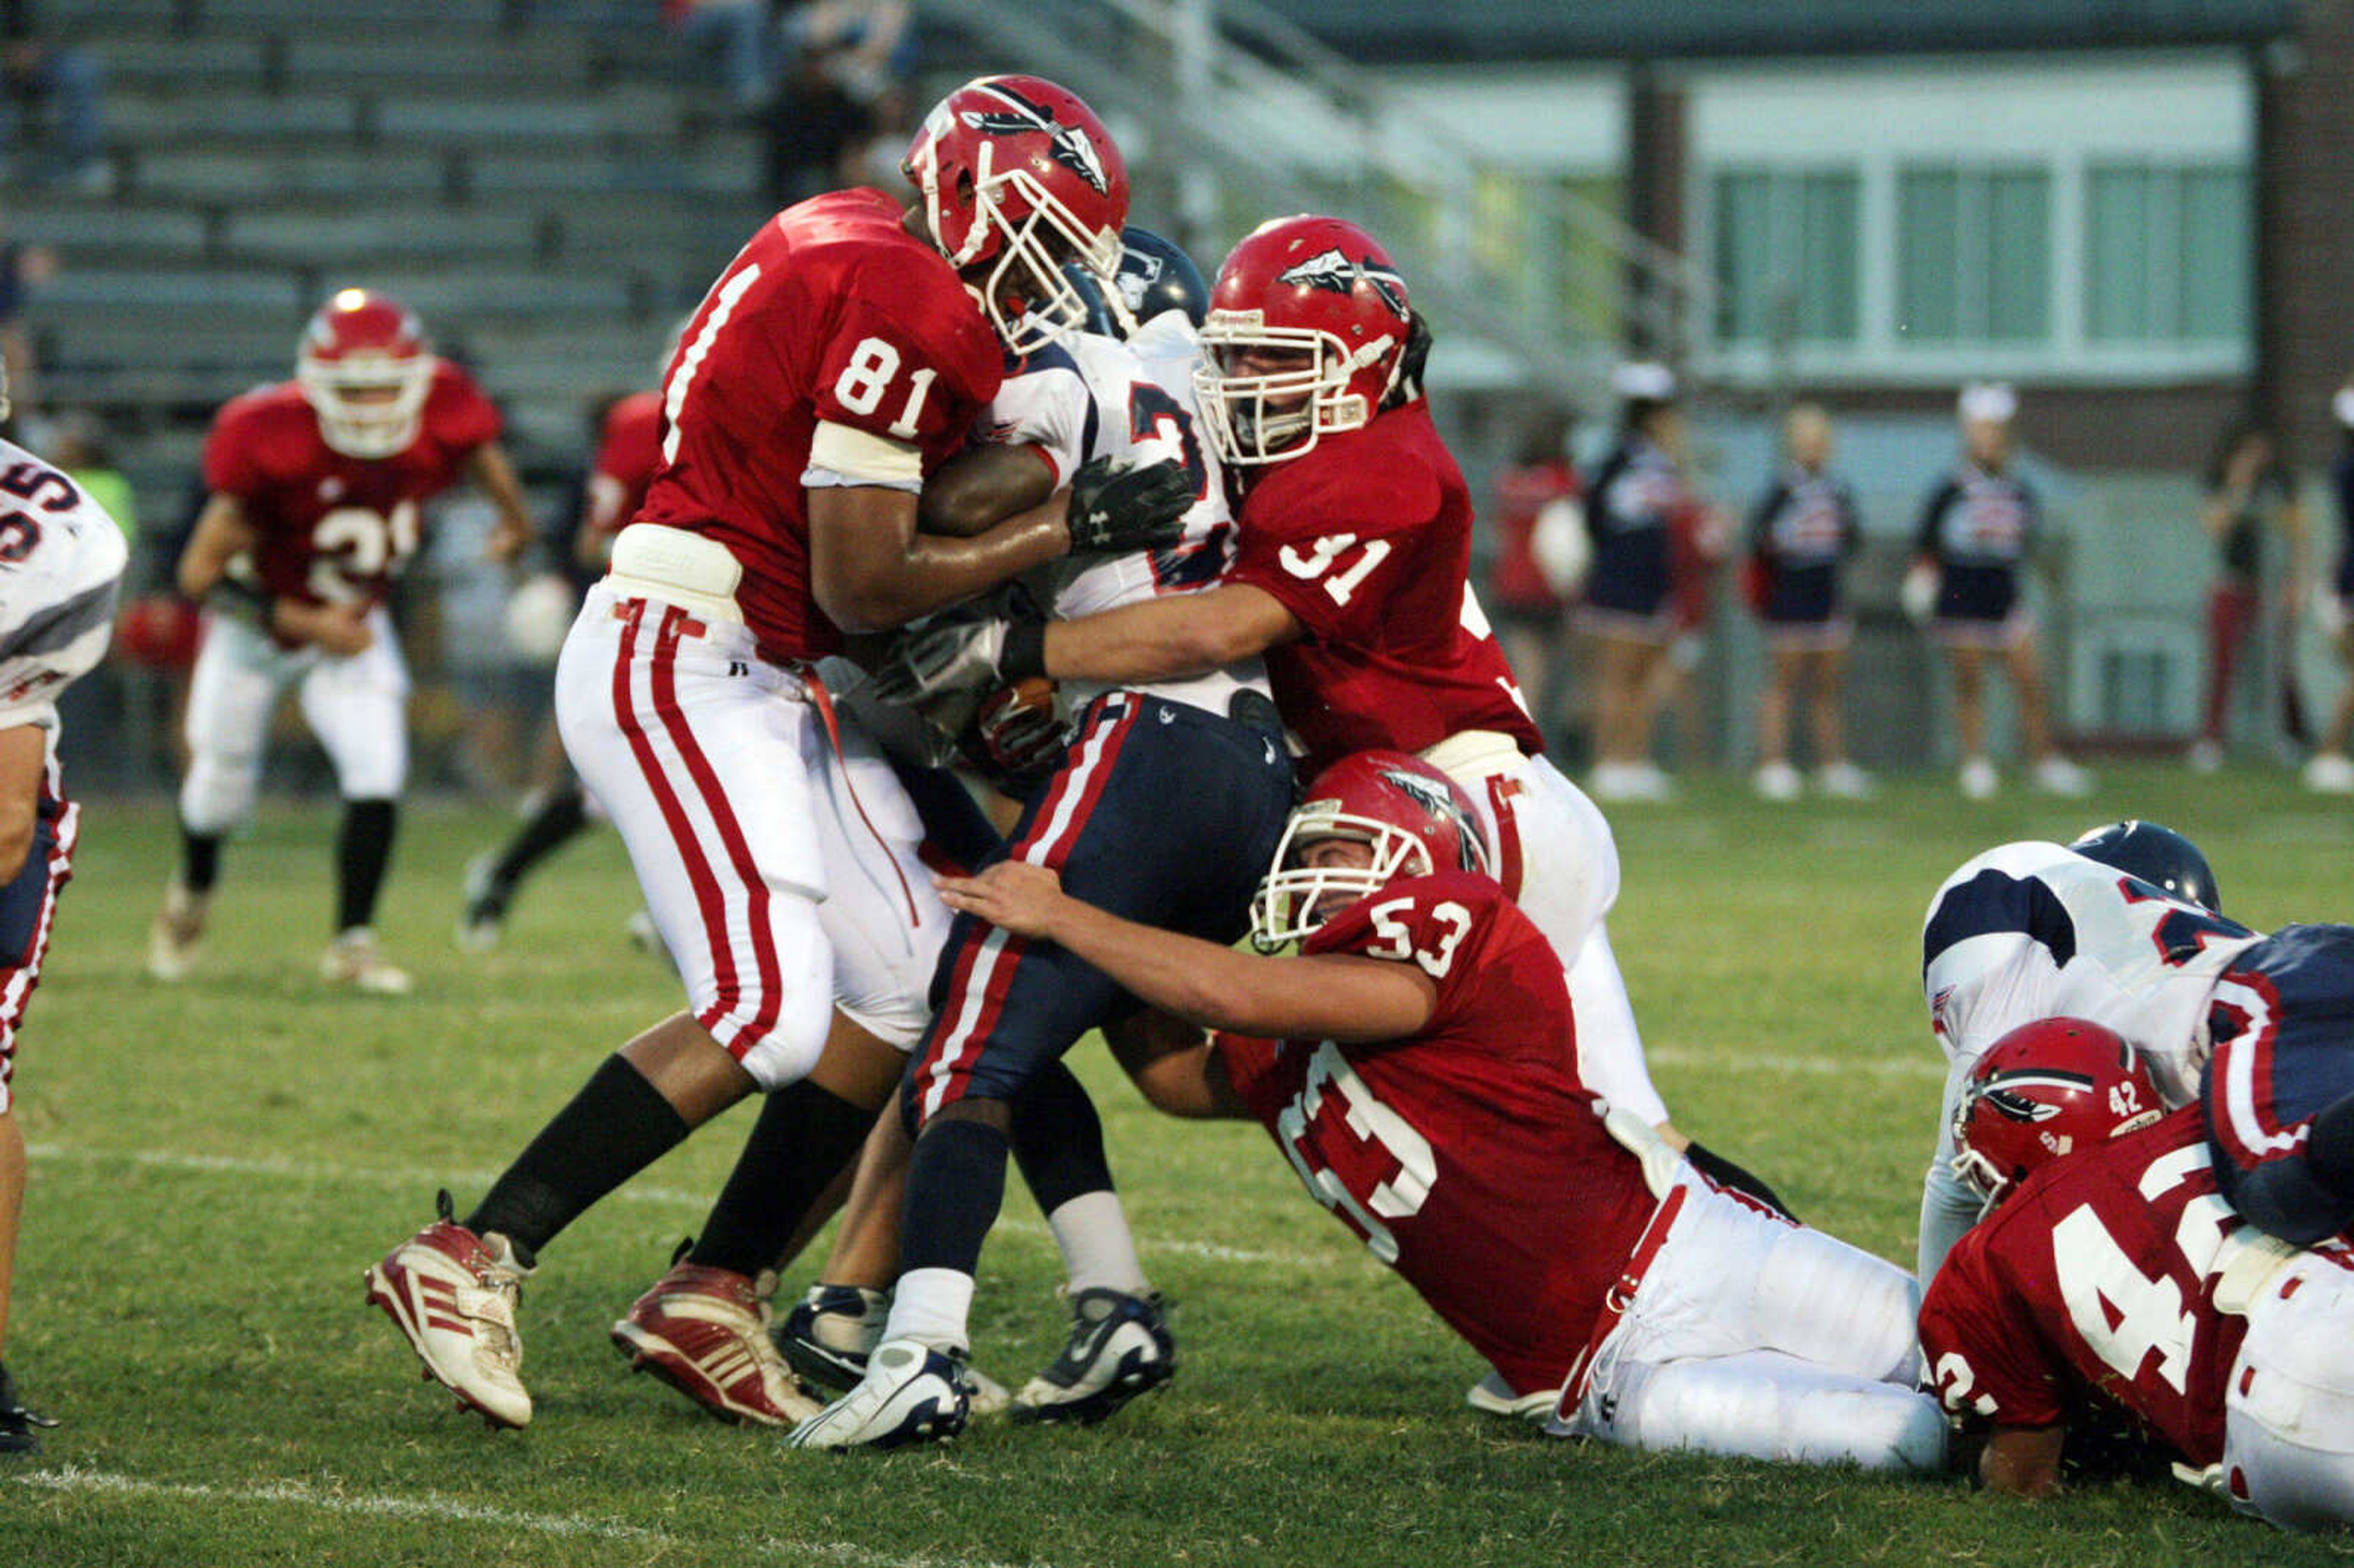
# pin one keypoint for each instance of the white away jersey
(61, 560)
(1088, 396)
(2035, 930)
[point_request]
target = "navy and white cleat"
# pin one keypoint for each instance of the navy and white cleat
(1120, 1347)
(911, 1393)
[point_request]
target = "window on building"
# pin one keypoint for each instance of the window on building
(1786, 255)
(2166, 253)
(1973, 255)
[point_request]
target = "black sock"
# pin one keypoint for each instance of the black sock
(955, 1186)
(550, 826)
(363, 849)
(615, 1127)
(1725, 1173)
(804, 1138)
(199, 861)
(1058, 1139)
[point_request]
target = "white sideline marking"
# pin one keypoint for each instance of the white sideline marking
(73, 1478)
(668, 1197)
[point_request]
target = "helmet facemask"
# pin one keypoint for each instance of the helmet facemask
(1017, 222)
(385, 414)
(1296, 899)
(1270, 417)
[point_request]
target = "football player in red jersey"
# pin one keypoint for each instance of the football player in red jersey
(629, 451)
(1409, 1064)
(317, 486)
(837, 359)
(2109, 1262)
(1352, 579)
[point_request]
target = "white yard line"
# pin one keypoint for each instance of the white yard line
(1920, 1065)
(293, 1494)
(667, 1197)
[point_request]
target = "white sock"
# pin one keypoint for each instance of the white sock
(931, 1306)
(1099, 1253)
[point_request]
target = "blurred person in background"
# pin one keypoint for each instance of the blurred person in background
(1975, 536)
(315, 490)
(2248, 490)
(2330, 772)
(737, 39)
(1522, 598)
(816, 127)
(56, 91)
(1803, 529)
(22, 269)
(1629, 611)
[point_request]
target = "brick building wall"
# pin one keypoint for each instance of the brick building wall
(2306, 242)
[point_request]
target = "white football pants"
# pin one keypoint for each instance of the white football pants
(2288, 1409)
(1751, 1336)
(356, 706)
(783, 876)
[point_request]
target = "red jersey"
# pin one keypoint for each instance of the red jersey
(628, 453)
(1469, 1158)
(832, 312)
(2099, 1270)
(1516, 581)
(335, 529)
(1366, 539)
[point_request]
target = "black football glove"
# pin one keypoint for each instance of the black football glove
(1118, 507)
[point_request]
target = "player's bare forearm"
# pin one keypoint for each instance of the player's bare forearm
(870, 569)
(2023, 1461)
(488, 466)
(982, 486)
(1164, 638)
(23, 754)
(1172, 1064)
(221, 535)
(1332, 996)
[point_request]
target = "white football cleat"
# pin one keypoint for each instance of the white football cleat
(704, 1332)
(829, 1335)
(453, 1294)
(911, 1393)
(177, 935)
(1777, 781)
(1120, 1347)
(1491, 1395)
(2055, 775)
(353, 959)
(1844, 781)
(2205, 756)
(2329, 773)
(1979, 780)
(482, 919)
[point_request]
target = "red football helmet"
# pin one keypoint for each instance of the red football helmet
(366, 368)
(1417, 820)
(2043, 1090)
(1311, 289)
(158, 632)
(1017, 171)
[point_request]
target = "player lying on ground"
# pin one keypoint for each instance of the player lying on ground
(1410, 1064)
(2109, 1261)
(2251, 1026)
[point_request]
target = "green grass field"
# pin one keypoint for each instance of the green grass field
(214, 1164)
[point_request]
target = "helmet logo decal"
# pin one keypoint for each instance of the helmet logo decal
(1333, 270)
(1070, 146)
(1438, 802)
(1139, 271)
(2000, 1094)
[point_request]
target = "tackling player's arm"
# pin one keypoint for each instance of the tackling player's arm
(1335, 996)
(23, 756)
(871, 568)
(494, 475)
(1163, 639)
(2023, 1461)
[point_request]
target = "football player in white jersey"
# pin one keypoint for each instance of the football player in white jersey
(988, 1079)
(2120, 928)
(62, 561)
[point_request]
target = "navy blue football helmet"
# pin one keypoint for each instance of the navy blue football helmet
(2158, 856)
(1153, 276)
